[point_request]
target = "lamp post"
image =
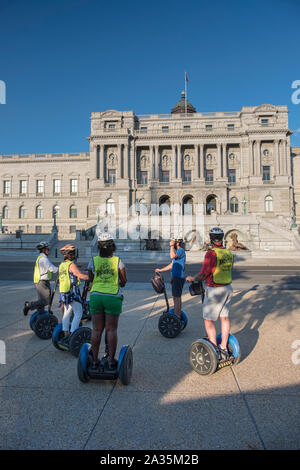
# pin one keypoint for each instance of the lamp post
(244, 202)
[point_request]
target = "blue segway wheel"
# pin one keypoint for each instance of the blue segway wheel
(233, 347)
(45, 324)
(79, 337)
(32, 320)
(82, 363)
(57, 335)
(125, 364)
(184, 318)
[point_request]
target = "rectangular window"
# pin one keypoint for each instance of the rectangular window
(144, 130)
(209, 176)
(56, 186)
(6, 187)
(165, 176)
(186, 128)
(265, 122)
(230, 127)
(208, 127)
(23, 187)
(143, 177)
(187, 175)
(72, 229)
(111, 176)
(111, 126)
(88, 183)
(38, 229)
(165, 128)
(74, 186)
(40, 186)
(231, 176)
(266, 173)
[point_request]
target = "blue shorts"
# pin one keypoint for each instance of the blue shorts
(177, 284)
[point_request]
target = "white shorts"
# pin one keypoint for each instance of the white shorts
(216, 302)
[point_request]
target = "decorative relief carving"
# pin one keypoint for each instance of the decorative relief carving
(188, 162)
(211, 160)
(166, 162)
(233, 161)
(112, 161)
(144, 162)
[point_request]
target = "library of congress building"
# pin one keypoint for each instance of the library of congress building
(239, 166)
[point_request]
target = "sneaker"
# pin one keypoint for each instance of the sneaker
(65, 340)
(26, 308)
(224, 354)
(112, 366)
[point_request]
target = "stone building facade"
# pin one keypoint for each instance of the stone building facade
(238, 165)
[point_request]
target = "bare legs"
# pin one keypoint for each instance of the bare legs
(177, 306)
(212, 334)
(110, 323)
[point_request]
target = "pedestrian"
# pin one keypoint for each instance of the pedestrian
(108, 275)
(216, 272)
(69, 292)
(177, 267)
(41, 277)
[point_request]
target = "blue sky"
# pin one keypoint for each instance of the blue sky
(63, 59)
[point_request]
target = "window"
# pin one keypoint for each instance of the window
(209, 176)
(38, 229)
(88, 183)
(111, 126)
(187, 205)
(74, 186)
(5, 212)
(165, 176)
(231, 176)
(187, 175)
(39, 212)
(165, 128)
(23, 187)
(111, 176)
(6, 187)
(265, 122)
(266, 173)
(72, 229)
(56, 212)
(56, 186)
(234, 205)
(40, 186)
(268, 204)
(143, 177)
(110, 207)
(22, 212)
(186, 128)
(144, 130)
(73, 212)
(208, 127)
(230, 127)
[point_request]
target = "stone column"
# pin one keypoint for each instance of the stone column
(258, 156)
(125, 161)
(101, 162)
(201, 160)
(95, 156)
(224, 161)
(284, 163)
(219, 158)
(156, 162)
(151, 163)
(251, 158)
(174, 162)
(276, 158)
(119, 168)
(179, 162)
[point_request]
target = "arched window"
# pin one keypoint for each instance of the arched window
(110, 207)
(5, 212)
(234, 205)
(211, 204)
(22, 212)
(269, 204)
(39, 212)
(56, 211)
(187, 205)
(164, 205)
(73, 212)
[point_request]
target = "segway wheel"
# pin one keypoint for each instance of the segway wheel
(125, 365)
(233, 347)
(57, 335)
(82, 363)
(32, 320)
(203, 357)
(44, 325)
(184, 318)
(169, 325)
(78, 338)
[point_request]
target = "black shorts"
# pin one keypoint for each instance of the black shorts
(177, 284)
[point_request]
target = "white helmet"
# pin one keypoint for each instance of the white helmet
(42, 245)
(216, 233)
(104, 237)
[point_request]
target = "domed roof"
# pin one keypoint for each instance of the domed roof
(183, 106)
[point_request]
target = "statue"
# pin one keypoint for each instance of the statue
(236, 246)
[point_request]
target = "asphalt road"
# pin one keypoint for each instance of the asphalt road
(243, 276)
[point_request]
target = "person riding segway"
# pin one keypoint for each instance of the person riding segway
(216, 272)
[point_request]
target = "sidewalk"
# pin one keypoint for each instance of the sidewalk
(253, 405)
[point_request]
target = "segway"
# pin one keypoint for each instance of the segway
(205, 357)
(86, 316)
(169, 324)
(123, 372)
(44, 322)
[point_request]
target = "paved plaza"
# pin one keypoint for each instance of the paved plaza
(253, 405)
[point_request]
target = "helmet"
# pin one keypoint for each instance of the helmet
(68, 250)
(105, 240)
(216, 233)
(42, 245)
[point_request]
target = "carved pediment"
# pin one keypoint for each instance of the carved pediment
(263, 108)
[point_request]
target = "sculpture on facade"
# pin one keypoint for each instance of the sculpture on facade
(235, 244)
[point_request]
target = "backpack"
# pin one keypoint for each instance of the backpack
(158, 283)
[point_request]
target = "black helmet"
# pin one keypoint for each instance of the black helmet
(69, 251)
(216, 234)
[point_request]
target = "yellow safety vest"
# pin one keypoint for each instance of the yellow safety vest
(106, 278)
(37, 273)
(64, 277)
(223, 271)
